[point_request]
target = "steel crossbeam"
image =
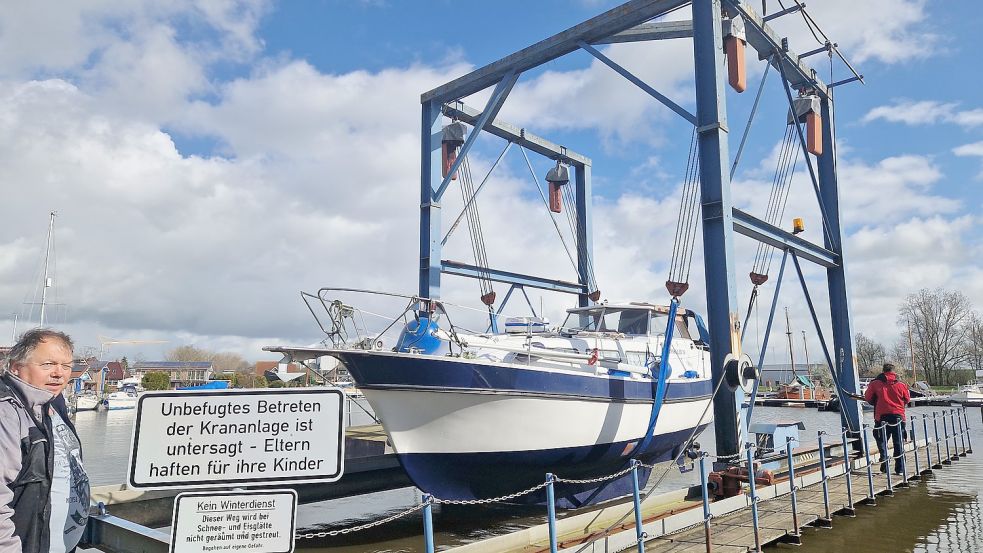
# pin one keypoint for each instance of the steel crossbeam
(762, 231)
(509, 277)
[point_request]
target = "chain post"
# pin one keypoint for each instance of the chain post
(870, 473)
(969, 435)
(754, 496)
(705, 492)
(828, 521)
(904, 454)
(639, 532)
(848, 473)
(962, 431)
(914, 450)
(928, 445)
(887, 459)
(945, 432)
(428, 522)
(938, 448)
(551, 510)
(796, 536)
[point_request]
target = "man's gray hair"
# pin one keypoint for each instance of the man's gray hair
(30, 340)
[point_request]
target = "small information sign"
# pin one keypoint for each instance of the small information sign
(230, 438)
(254, 521)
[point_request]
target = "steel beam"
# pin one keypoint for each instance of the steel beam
(839, 303)
(430, 173)
(458, 110)
(608, 23)
(498, 275)
(117, 534)
(585, 231)
(752, 227)
(762, 38)
(660, 30)
(718, 237)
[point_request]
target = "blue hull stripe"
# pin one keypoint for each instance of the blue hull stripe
(371, 370)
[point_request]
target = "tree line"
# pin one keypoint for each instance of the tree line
(940, 333)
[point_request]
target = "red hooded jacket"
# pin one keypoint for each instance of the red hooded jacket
(888, 395)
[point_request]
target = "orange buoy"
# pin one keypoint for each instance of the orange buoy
(736, 65)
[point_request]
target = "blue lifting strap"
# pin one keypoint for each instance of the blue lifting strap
(660, 383)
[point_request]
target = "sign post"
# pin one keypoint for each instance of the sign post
(238, 437)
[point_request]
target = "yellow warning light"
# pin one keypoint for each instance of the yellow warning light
(798, 225)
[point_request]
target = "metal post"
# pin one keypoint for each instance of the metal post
(718, 220)
(791, 488)
(945, 432)
(969, 435)
(828, 521)
(870, 474)
(962, 432)
(428, 522)
(706, 499)
(928, 445)
(914, 450)
(585, 233)
(888, 460)
(551, 510)
(638, 506)
(848, 472)
(754, 496)
(904, 455)
(938, 448)
(430, 175)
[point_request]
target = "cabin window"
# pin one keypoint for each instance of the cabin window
(682, 329)
(625, 321)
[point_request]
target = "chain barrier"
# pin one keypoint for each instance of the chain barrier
(373, 524)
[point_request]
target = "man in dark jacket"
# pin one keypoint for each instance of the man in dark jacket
(889, 396)
(44, 491)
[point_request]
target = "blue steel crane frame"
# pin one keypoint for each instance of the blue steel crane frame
(630, 22)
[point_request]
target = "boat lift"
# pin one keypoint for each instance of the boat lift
(633, 21)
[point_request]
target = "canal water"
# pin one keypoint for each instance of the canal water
(943, 513)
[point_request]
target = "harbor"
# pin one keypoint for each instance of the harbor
(523, 322)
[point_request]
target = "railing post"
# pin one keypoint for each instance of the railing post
(639, 533)
(969, 435)
(428, 522)
(945, 431)
(962, 431)
(848, 473)
(754, 496)
(928, 445)
(904, 454)
(938, 448)
(828, 521)
(551, 510)
(796, 536)
(870, 474)
(888, 458)
(914, 450)
(706, 499)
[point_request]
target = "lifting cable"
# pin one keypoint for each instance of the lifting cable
(569, 198)
(477, 236)
(686, 224)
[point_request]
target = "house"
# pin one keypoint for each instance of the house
(109, 371)
(273, 370)
(182, 373)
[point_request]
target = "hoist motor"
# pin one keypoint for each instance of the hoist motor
(453, 138)
(808, 111)
(735, 40)
(557, 177)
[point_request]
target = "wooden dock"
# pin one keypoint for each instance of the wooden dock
(673, 522)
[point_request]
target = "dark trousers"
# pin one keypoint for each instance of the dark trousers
(890, 427)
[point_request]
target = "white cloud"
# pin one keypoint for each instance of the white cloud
(975, 149)
(925, 112)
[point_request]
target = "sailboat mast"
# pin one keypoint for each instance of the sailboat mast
(46, 282)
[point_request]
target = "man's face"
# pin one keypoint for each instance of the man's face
(48, 367)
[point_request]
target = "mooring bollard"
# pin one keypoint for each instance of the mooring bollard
(914, 451)
(754, 496)
(428, 522)
(551, 510)
(822, 471)
(945, 431)
(848, 472)
(792, 488)
(638, 506)
(870, 469)
(969, 435)
(706, 498)
(938, 448)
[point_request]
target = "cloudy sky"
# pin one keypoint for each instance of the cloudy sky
(209, 160)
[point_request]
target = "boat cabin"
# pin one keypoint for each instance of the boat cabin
(633, 319)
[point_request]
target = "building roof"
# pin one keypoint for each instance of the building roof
(172, 365)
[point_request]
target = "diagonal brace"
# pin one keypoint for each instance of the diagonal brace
(492, 108)
(639, 83)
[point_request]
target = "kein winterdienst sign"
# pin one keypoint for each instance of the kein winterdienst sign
(227, 438)
(256, 521)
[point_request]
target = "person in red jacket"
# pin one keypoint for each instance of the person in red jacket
(889, 396)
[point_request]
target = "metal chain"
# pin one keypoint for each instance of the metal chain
(601, 478)
(491, 499)
(373, 524)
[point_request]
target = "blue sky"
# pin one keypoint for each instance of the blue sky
(210, 159)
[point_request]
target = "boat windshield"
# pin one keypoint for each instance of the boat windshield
(623, 320)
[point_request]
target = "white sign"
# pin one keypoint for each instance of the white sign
(229, 438)
(259, 522)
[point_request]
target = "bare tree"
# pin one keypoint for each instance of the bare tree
(938, 327)
(228, 362)
(189, 353)
(974, 342)
(870, 355)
